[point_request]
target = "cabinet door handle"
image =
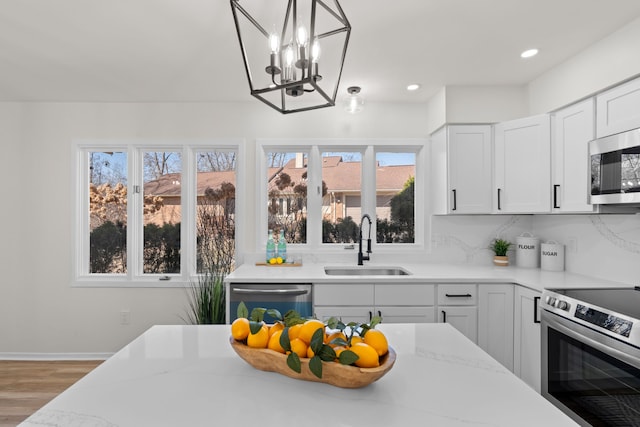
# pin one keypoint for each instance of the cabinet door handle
(555, 196)
(454, 200)
(379, 313)
(499, 192)
(535, 310)
(444, 316)
(370, 315)
(458, 295)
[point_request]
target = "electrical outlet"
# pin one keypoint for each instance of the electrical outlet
(572, 245)
(125, 317)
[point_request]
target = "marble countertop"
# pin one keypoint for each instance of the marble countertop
(189, 375)
(533, 278)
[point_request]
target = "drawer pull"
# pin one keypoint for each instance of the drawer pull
(458, 295)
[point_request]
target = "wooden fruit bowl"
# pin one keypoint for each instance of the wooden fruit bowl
(333, 373)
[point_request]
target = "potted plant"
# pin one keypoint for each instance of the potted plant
(500, 248)
(207, 302)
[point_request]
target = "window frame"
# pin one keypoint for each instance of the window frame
(135, 277)
(368, 148)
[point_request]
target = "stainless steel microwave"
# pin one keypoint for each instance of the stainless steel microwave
(615, 169)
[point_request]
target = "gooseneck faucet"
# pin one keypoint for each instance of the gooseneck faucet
(361, 255)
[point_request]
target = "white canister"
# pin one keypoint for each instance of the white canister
(527, 251)
(552, 256)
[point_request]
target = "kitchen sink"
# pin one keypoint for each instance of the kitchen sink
(366, 271)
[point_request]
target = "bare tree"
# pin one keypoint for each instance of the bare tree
(158, 163)
(216, 161)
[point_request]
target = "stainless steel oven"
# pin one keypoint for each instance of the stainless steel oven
(591, 354)
(282, 297)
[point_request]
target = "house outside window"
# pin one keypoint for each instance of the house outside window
(380, 178)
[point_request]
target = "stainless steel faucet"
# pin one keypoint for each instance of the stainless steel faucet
(361, 255)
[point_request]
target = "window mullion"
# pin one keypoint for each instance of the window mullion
(188, 206)
(314, 198)
(135, 256)
(368, 188)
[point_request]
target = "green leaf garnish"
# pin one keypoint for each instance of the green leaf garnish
(348, 357)
(293, 361)
(275, 314)
(317, 340)
(242, 311)
(315, 366)
(326, 353)
(285, 343)
(254, 327)
(257, 314)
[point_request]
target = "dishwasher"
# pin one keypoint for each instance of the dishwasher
(283, 297)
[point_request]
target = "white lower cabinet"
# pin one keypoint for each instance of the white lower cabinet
(526, 338)
(397, 303)
(495, 321)
(457, 306)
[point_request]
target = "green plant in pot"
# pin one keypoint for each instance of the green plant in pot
(500, 247)
(207, 302)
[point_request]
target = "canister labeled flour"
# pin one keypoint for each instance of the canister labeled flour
(527, 251)
(552, 256)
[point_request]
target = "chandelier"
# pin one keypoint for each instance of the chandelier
(293, 51)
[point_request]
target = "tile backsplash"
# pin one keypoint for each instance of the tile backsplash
(605, 246)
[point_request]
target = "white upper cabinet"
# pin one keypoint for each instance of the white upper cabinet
(522, 165)
(572, 129)
(462, 169)
(618, 109)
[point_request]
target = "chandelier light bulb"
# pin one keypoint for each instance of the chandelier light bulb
(288, 56)
(302, 36)
(315, 50)
(274, 43)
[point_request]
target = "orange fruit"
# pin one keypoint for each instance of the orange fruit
(309, 328)
(274, 342)
(260, 339)
(377, 340)
(299, 347)
(356, 339)
(310, 352)
(294, 331)
(275, 328)
(339, 349)
(367, 355)
(240, 329)
(333, 336)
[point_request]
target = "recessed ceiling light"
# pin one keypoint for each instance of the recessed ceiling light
(529, 53)
(413, 86)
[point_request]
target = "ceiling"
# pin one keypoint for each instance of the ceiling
(187, 50)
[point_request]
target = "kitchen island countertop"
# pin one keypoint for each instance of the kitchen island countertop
(189, 375)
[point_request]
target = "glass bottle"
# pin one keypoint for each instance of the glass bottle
(271, 247)
(282, 246)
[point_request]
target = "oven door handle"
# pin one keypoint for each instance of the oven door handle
(591, 342)
(285, 292)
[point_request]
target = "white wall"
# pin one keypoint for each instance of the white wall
(39, 310)
(605, 63)
(485, 104)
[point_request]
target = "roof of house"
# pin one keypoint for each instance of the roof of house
(338, 175)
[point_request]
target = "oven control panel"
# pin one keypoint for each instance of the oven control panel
(588, 314)
(609, 322)
(557, 303)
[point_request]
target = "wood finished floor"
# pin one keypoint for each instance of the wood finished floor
(25, 386)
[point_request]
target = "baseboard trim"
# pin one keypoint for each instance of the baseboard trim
(55, 356)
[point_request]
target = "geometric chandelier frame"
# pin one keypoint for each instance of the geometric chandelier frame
(293, 51)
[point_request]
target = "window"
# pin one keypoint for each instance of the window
(155, 215)
(338, 183)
